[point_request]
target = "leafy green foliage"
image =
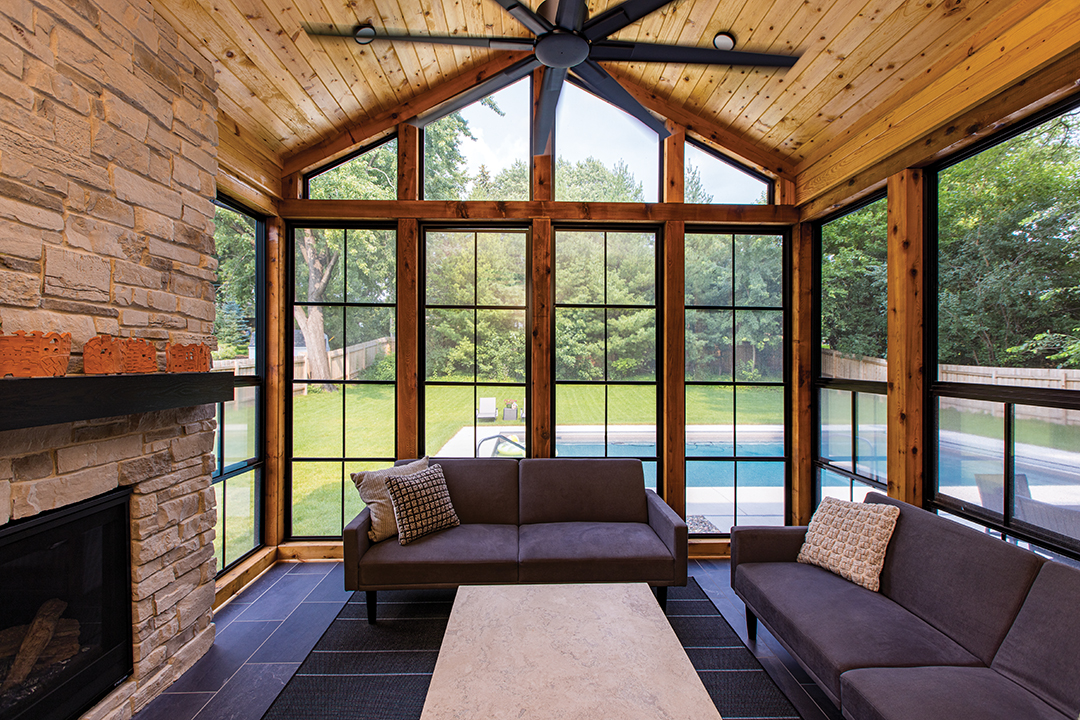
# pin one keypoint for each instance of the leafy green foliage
(234, 239)
(854, 282)
(1009, 251)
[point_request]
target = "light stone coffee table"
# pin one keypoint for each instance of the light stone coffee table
(563, 651)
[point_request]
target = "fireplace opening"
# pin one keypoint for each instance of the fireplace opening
(65, 609)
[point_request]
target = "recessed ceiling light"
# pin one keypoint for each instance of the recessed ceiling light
(723, 41)
(365, 34)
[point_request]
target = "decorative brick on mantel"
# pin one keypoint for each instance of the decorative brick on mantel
(108, 153)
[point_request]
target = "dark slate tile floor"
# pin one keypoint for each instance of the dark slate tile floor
(265, 632)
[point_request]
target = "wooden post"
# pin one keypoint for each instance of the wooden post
(278, 328)
(291, 187)
(785, 192)
(408, 143)
(802, 387)
(674, 187)
(408, 338)
(906, 312)
(541, 179)
(673, 440)
(540, 415)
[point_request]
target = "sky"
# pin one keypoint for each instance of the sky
(608, 134)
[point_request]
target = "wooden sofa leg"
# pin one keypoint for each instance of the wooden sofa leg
(371, 603)
(661, 596)
(751, 625)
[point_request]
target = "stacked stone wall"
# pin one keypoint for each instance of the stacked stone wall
(108, 158)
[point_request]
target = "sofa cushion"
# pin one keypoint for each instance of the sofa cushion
(849, 539)
(467, 554)
(939, 693)
(592, 552)
(833, 625)
(421, 504)
(582, 490)
(967, 584)
(1042, 650)
(372, 487)
(483, 490)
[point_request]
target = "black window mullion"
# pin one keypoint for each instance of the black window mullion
(1008, 479)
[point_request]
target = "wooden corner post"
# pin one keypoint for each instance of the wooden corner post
(278, 327)
(906, 333)
(802, 381)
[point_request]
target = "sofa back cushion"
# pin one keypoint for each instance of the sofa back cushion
(966, 584)
(582, 490)
(1042, 650)
(482, 490)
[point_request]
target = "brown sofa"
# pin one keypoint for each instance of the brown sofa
(965, 625)
(554, 520)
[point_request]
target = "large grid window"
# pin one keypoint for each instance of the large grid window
(474, 343)
(1005, 322)
(606, 345)
(343, 370)
(852, 363)
(238, 326)
(736, 449)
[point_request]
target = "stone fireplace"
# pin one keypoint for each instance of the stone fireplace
(108, 158)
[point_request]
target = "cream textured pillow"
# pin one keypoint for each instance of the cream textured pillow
(372, 487)
(421, 504)
(849, 539)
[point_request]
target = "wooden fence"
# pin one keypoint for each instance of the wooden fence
(345, 363)
(852, 367)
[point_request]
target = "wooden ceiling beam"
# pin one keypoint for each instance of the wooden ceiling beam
(751, 154)
(1047, 34)
(351, 138)
(526, 210)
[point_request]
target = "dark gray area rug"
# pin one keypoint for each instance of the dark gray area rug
(381, 672)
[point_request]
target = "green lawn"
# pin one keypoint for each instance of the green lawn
(362, 421)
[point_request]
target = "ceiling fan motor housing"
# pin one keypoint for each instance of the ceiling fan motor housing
(561, 49)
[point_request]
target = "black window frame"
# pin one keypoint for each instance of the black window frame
(770, 197)
(257, 464)
(362, 150)
(290, 380)
(422, 379)
(1004, 525)
(855, 387)
(657, 382)
(785, 307)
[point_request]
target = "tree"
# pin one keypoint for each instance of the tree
(234, 240)
(1009, 251)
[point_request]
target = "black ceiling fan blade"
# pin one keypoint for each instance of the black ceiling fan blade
(550, 89)
(618, 17)
(608, 88)
(495, 43)
(535, 23)
(648, 52)
(494, 83)
(570, 14)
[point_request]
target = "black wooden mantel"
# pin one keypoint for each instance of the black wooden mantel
(31, 402)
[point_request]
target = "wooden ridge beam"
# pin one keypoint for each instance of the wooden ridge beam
(526, 210)
(734, 143)
(1047, 34)
(347, 141)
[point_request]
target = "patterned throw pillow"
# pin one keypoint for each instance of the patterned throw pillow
(849, 539)
(372, 487)
(421, 504)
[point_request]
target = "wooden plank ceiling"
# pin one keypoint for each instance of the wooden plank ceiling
(285, 91)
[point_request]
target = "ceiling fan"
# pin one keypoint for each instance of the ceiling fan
(565, 40)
